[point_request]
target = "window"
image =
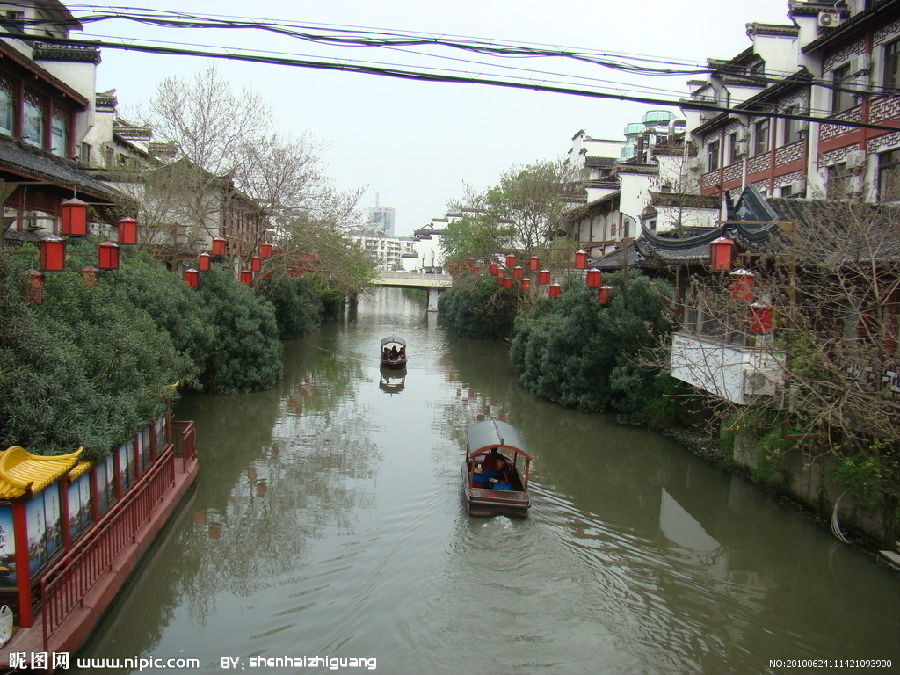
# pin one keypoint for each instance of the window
(7, 108)
(712, 156)
(761, 137)
(33, 127)
(732, 147)
(793, 129)
(891, 76)
(837, 185)
(889, 176)
(60, 133)
(841, 97)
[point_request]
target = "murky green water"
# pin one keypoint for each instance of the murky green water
(328, 522)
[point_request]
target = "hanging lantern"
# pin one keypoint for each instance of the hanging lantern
(604, 294)
(74, 218)
(191, 277)
(581, 259)
(507, 283)
(555, 290)
(219, 246)
(534, 263)
(526, 284)
(265, 250)
(760, 318)
(127, 231)
(34, 291)
(255, 263)
(740, 285)
(90, 275)
(594, 278)
(278, 252)
(293, 272)
(500, 273)
(518, 272)
(53, 254)
(267, 276)
(510, 260)
(544, 277)
(246, 277)
(720, 253)
(108, 256)
(493, 269)
(203, 262)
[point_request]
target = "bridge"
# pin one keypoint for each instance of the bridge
(433, 283)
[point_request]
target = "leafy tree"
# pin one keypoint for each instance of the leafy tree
(246, 353)
(298, 305)
(475, 236)
(579, 353)
(478, 307)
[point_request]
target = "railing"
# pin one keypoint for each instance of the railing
(64, 586)
(186, 441)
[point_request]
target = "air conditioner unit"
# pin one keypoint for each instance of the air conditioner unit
(797, 186)
(829, 19)
(855, 159)
(860, 63)
(758, 384)
(741, 148)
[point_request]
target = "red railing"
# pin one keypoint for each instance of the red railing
(64, 586)
(185, 442)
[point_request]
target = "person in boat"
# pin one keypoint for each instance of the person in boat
(503, 470)
(394, 353)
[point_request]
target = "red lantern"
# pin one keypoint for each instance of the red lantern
(740, 285)
(500, 273)
(203, 262)
(507, 282)
(526, 284)
(74, 218)
(518, 272)
(594, 278)
(493, 269)
(534, 263)
(53, 254)
(90, 276)
(191, 277)
(127, 231)
(220, 246)
(760, 318)
(108, 256)
(470, 262)
(510, 260)
(555, 290)
(720, 252)
(255, 263)
(267, 276)
(34, 291)
(544, 277)
(581, 259)
(604, 294)
(265, 250)
(246, 277)
(278, 252)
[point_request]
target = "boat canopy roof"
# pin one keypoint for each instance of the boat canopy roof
(484, 436)
(392, 340)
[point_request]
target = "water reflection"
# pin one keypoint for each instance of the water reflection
(329, 520)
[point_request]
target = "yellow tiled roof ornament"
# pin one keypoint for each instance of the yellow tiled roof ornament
(20, 470)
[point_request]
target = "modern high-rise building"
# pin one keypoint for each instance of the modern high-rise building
(383, 219)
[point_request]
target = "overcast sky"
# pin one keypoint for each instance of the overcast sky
(414, 145)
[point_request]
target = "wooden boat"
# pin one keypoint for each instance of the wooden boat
(490, 490)
(393, 352)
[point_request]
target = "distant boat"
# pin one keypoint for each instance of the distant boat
(491, 482)
(393, 352)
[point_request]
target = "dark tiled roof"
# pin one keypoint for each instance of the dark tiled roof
(684, 199)
(593, 160)
(26, 162)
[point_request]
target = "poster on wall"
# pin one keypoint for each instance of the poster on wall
(53, 514)
(84, 486)
(144, 441)
(37, 532)
(160, 435)
(109, 485)
(7, 548)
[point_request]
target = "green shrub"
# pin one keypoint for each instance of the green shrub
(478, 307)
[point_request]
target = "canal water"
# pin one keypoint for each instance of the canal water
(328, 522)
